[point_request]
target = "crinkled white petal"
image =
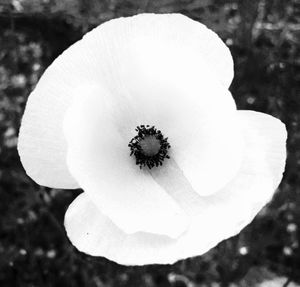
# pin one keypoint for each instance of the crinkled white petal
(213, 218)
(208, 149)
(115, 55)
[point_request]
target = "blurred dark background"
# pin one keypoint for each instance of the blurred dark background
(263, 36)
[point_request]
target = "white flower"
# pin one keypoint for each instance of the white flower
(173, 73)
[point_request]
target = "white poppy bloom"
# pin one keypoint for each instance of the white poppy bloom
(217, 167)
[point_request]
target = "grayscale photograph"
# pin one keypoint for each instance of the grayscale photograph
(149, 143)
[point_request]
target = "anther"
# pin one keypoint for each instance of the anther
(149, 146)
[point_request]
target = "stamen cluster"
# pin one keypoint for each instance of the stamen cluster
(136, 149)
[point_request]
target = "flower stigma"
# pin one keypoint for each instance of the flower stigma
(149, 146)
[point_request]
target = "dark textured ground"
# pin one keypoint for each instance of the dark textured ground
(34, 251)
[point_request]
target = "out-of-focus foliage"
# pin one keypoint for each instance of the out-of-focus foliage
(263, 36)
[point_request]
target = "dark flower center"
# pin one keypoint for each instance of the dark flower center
(149, 146)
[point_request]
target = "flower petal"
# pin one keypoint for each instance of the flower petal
(208, 149)
(219, 216)
(41, 147)
(105, 57)
(99, 158)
